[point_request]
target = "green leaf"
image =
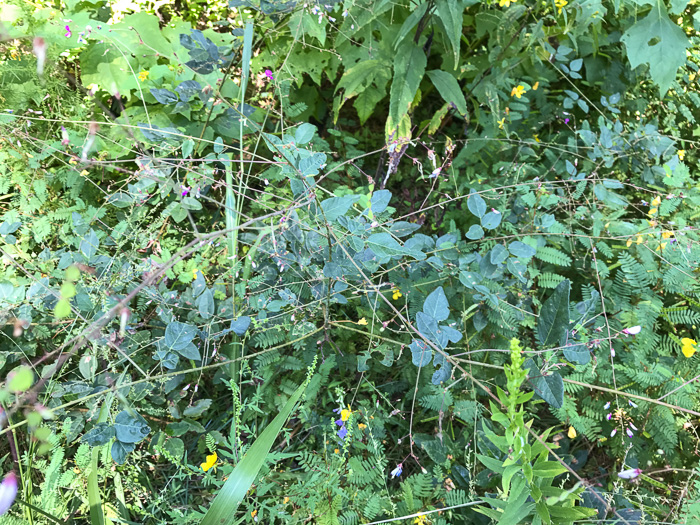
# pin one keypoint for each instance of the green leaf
(20, 379)
(436, 305)
(223, 508)
(450, 13)
(476, 204)
(380, 201)
(491, 220)
(99, 435)
(520, 249)
(449, 89)
(335, 207)
(548, 469)
(205, 304)
(89, 245)
(384, 245)
(554, 316)
(659, 42)
(410, 23)
(409, 67)
(179, 335)
(130, 427)
(62, 309)
(121, 450)
(304, 133)
(198, 408)
(551, 389)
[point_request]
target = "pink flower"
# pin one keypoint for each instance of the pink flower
(269, 75)
(185, 190)
(68, 32)
(8, 492)
(630, 473)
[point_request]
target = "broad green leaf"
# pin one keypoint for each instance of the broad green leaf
(421, 353)
(491, 220)
(409, 67)
(304, 133)
(659, 42)
(450, 13)
(197, 409)
(89, 245)
(205, 304)
(436, 305)
(384, 245)
(476, 204)
(223, 508)
(380, 200)
(179, 335)
(120, 450)
(99, 435)
(130, 428)
(551, 389)
(449, 89)
(240, 326)
(335, 207)
(410, 23)
(520, 249)
(554, 316)
(20, 379)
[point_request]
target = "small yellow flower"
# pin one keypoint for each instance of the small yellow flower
(688, 346)
(254, 513)
(345, 414)
(501, 123)
(681, 154)
(84, 173)
(666, 235)
(362, 321)
(661, 246)
(656, 202)
(504, 3)
(537, 85)
(572, 432)
(653, 211)
(210, 462)
(194, 273)
(286, 498)
(421, 520)
(537, 138)
(560, 5)
(396, 294)
(337, 451)
(143, 75)
(518, 91)
(361, 426)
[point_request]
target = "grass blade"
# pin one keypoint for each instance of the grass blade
(223, 508)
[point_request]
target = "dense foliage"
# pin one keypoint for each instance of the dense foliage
(370, 261)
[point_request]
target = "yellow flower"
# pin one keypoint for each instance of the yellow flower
(653, 211)
(194, 273)
(681, 153)
(666, 235)
(518, 91)
(84, 173)
(506, 3)
(537, 139)
(501, 123)
(361, 426)
(560, 5)
(661, 246)
(254, 513)
(396, 294)
(572, 432)
(143, 75)
(210, 462)
(656, 202)
(286, 498)
(537, 84)
(362, 321)
(688, 346)
(421, 520)
(337, 451)
(345, 414)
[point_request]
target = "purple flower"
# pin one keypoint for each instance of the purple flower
(8, 492)
(343, 431)
(185, 190)
(608, 417)
(68, 32)
(633, 405)
(269, 75)
(607, 405)
(397, 471)
(566, 121)
(629, 432)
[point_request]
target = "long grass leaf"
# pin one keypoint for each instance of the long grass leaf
(223, 508)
